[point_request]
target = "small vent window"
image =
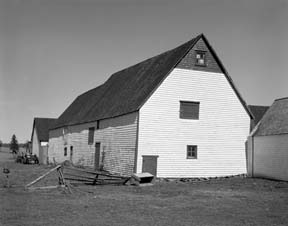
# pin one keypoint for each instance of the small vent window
(200, 58)
(189, 110)
(191, 151)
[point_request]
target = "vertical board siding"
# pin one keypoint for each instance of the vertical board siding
(118, 143)
(271, 156)
(220, 133)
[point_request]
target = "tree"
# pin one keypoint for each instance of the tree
(14, 147)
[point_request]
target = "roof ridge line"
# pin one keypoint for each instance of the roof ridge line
(282, 98)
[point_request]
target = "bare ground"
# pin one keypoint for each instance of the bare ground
(233, 201)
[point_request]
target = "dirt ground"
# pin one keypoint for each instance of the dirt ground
(233, 201)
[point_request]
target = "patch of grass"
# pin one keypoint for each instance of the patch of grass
(233, 201)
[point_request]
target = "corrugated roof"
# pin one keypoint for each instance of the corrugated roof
(275, 120)
(127, 90)
(42, 126)
(258, 112)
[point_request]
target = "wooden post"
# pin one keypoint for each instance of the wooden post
(67, 185)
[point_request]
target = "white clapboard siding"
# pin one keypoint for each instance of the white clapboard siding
(116, 135)
(271, 157)
(35, 143)
(220, 133)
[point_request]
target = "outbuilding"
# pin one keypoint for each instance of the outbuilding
(40, 138)
(268, 143)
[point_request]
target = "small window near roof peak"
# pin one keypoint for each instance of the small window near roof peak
(200, 58)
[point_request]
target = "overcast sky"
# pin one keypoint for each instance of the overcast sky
(53, 50)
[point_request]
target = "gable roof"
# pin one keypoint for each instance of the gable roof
(275, 120)
(258, 112)
(127, 90)
(42, 126)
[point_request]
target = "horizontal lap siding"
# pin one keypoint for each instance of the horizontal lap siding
(220, 133)
(118, 143)
(271, 157)
(56, 147)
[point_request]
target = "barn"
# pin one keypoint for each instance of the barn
(268, 143)
(177, 114)
(40, 138)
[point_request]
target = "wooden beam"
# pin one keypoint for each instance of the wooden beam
(46, 187)
(44, 175)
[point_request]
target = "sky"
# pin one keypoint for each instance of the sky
(51, 51)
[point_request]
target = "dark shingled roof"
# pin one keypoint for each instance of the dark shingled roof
(42, 126)
(275, 120)
(258, 112)
(127, 90)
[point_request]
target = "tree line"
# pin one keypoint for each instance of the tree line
(14, 145)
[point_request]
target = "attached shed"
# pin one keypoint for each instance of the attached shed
(268, 143)
(40, 138)
(177, 114)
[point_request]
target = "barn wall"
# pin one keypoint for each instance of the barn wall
(35, 143)
(220, 133)
(116, 135)
(271, 156)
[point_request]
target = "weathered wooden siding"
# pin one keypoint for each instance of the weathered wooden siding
(116, 135)
(220, 132)
(271, 157)
(35, 143)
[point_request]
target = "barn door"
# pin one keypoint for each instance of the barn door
(45, 154)
(71, 154)
(149, 164)
(97, 156)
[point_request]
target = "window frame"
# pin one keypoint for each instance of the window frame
(181, 111)
(91, 132)
(203, 54)
(65, 151)
(195, 151)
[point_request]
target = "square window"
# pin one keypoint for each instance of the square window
(200, 58)
(191, 151)
(189, 110)
(91, 135)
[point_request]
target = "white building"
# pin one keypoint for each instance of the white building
(177, 114)
(268, 143)
(40, 138)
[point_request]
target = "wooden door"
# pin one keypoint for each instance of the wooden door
(97, 156)
(71, 154)
(149, 164)
(43, 154)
